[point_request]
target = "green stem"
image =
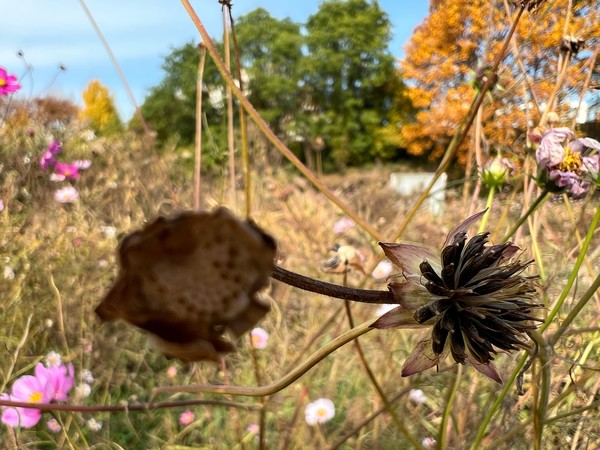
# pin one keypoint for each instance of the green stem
(541, 405)
(442, 435)
(570, 282)
(575, 311)
(488, 207)
(535, 205)
(496, 404)
(539, 262)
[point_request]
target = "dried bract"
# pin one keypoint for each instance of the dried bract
(188, 278)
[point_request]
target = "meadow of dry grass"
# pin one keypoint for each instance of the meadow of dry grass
(63, 260)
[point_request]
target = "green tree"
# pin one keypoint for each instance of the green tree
(350, 79)
(99, 109)
(170, 107)
(271, 53)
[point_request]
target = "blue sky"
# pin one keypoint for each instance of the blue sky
(140, 32)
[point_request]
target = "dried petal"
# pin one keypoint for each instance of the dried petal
(463, 226)
(408, 257)
(487, 369)
(398, 317)
(421, 358)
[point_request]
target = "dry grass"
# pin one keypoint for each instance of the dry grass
(63, 262)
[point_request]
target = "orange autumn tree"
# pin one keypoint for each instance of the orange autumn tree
(458, 39)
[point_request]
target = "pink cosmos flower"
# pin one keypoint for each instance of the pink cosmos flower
(343, 225)
(253, 428)
(82, 164)
(26, 389)
(320, 411)
(53, 425)
(172, 372)
(60, 379)
(383, 270)
(69, 171)
(259, 338)
(186, 417)
(567, 168)
(8, 83)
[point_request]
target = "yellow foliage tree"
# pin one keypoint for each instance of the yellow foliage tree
(99, 109)
(458, 39)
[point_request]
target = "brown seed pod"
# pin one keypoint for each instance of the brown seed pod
(188, 278)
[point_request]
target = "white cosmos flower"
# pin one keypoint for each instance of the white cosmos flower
(94, 425)
(53, 359)
(417, 396)
(320, 411)
(66, 195)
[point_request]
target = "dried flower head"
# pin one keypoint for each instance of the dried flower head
(571, 44)
(475, 299)
(344, 259)
(531, 5)
(189, 278)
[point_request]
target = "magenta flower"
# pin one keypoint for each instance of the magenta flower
(8, 83)
(567, 168)
(69, 171)
(26, 389)
(47, 160)
(55, 147)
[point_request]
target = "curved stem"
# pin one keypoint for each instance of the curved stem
(535, 205)
(377, 386)
(283, 382)
(331, 290)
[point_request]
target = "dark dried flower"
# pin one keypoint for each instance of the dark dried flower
(477, 300)
(571, 44)
(529, 4)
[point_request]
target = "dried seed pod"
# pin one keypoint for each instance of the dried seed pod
(188, 278)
